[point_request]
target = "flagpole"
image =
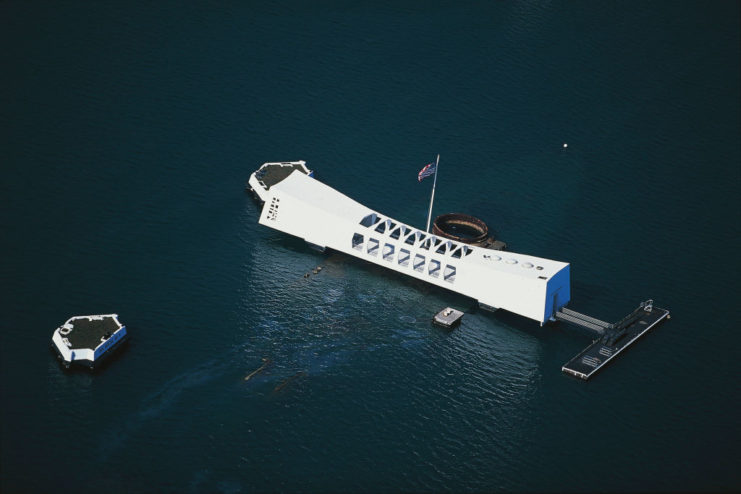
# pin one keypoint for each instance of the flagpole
(432, 197)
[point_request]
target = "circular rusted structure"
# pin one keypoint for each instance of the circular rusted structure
(461, 228)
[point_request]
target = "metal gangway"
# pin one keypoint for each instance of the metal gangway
(583, 321)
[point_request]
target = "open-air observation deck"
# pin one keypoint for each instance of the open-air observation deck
(537, 288)
(302, 206)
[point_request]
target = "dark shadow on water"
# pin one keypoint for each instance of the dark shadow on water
(289, 382)
(293, 244)
(456, 300)
(516, 322)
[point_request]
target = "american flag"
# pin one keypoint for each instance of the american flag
(426, 171)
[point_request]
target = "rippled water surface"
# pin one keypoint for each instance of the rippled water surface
(128, 130)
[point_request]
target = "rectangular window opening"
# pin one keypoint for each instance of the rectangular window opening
(357, 241)
(419, 263)
(388, 252)
(449, 273)
(404, 256)
(434, 269)
(373, 246)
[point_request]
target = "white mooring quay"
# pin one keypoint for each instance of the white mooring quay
(297, 204)
(88, 340)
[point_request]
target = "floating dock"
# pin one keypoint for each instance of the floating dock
(614, 338)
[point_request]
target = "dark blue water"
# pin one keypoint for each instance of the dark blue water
(127, 131)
